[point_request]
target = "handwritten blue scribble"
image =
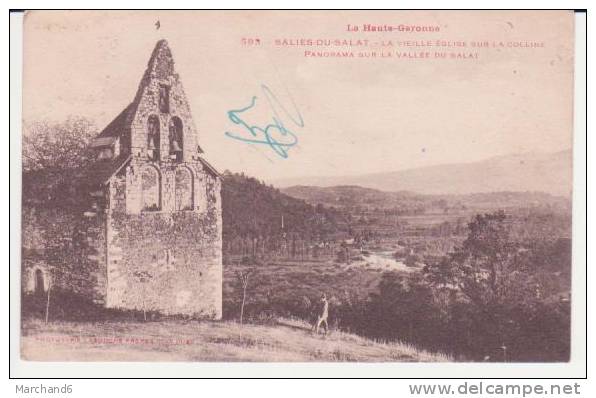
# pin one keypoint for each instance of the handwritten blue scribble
(274, 135)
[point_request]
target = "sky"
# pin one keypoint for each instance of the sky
(345, 116)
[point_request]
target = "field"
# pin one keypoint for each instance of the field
(285, 341)
(291, 288)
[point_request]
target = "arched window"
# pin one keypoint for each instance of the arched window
(151, 189)
(164, 99)
(176, 139)
(39, 282)
(183, 189)
(153, 139)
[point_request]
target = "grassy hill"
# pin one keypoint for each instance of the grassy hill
(286, 341)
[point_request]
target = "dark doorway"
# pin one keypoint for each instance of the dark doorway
(39, 282)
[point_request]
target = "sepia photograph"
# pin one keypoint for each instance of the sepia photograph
(297, 186)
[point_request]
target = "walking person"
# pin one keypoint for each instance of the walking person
(323, 314)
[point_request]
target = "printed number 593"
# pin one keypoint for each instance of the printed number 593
(251, 42)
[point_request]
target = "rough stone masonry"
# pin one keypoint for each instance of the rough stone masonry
(153, 227)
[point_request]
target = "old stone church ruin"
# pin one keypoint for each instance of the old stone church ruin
(149, 233)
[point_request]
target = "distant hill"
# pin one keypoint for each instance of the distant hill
(351, 197)
(550, 173)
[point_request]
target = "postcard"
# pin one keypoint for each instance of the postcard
(297, 187)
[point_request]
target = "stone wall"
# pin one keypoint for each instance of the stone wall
(164, 258)
(67, 246)
(160, 72)
(170, 262)
(135, 247)
(164, 261)
(202, 182)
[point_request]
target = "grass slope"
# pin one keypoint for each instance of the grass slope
(287, 341)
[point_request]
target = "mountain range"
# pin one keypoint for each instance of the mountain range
(542, 172)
